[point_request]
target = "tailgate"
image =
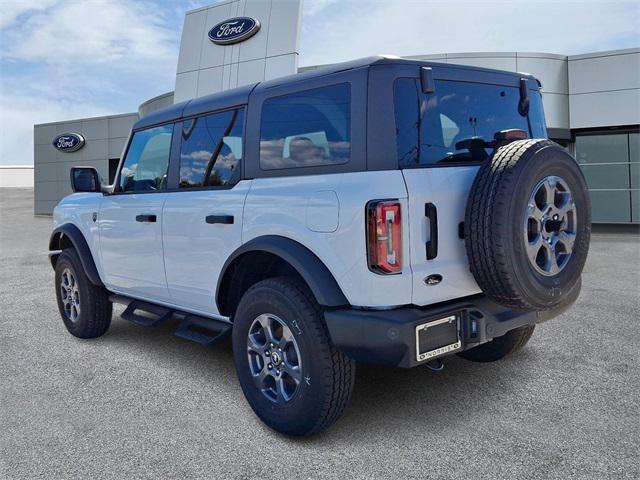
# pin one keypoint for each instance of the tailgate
(447, 190)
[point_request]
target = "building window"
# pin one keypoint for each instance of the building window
(211, 150)
(611, 165)
(145, 166)
(306, 129)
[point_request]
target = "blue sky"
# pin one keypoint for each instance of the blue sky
(64, 59)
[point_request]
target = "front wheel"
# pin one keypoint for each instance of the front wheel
(85, 308)
(293, 377)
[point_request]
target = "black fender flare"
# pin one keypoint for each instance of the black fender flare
(313, 271)
(75, 236)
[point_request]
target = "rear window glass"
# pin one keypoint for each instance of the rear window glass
(306, 129)
(455, 123)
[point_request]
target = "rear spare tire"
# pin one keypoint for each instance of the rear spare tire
(528, 225)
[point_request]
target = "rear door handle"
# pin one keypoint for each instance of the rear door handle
(224, 219)
(431, 212)
(146, 218)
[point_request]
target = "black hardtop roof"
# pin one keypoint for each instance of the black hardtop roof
(240, 96)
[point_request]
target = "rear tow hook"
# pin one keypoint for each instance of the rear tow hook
(436, 365)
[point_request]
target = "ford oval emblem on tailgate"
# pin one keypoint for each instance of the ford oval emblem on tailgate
(234, 30)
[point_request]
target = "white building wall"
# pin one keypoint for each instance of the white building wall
(16, 176)
(205, 68)
(552, 71)
(155, 103)
(605, 89)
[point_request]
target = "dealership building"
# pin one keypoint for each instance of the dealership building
(591, 101)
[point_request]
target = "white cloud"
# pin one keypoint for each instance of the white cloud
(12, 9)
(18, 114)
(314, 7)
(74, 59)
(369, 27)
(95, 31)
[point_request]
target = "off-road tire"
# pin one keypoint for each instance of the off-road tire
(95, 308)
(500, 347)
(495, 217)
(328, 374)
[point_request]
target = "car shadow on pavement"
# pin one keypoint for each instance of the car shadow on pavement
(384, 397)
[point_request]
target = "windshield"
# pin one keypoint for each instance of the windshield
(457, 123)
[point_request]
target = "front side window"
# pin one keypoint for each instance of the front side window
(306, 129)
(458, 122)
(211, 150)
(145, 166)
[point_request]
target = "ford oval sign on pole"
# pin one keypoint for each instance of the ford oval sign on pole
(234, 30)
(68, 142)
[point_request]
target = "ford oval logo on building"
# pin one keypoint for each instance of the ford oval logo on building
(68, 142)
(234, 30)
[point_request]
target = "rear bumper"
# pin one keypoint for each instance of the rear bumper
(389, 336)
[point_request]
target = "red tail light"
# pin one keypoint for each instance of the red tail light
(384, 236)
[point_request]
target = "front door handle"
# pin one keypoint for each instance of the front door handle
(146, 218)
(224, 219)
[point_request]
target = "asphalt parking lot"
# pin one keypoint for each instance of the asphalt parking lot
(142, 403)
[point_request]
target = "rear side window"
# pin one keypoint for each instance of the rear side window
(211, 150)
(306, 129)
(455, 123)
(145, 166)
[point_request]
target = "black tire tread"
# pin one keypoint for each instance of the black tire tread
(97, 318)
(484, 226)
(339, 369)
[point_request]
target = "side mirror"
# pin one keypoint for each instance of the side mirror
(85, 179)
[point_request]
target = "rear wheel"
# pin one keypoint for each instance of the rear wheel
(295, 380)
(84, 307)
(500, 347)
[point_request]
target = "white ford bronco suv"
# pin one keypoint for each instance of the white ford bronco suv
(381, 210)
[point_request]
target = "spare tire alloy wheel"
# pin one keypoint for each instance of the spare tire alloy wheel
(274, 358)
(550, 229)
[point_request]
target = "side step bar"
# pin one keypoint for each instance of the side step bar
(160, 314)
(205, 331)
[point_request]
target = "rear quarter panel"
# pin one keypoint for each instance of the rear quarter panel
(302, 209)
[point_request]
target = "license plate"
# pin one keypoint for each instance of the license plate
(438, 337)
